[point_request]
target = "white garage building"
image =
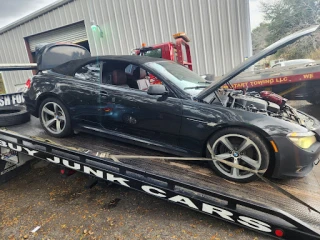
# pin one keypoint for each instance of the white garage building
(219, 31)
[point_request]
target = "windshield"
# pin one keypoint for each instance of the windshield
(156, 53)
(181, 76)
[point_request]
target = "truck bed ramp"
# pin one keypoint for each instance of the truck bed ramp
(191, 185)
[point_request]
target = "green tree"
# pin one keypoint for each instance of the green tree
(259, 36)
(2, 90)
(287, 16)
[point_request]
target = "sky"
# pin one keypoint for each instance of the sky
(255, 14)
(13, 10)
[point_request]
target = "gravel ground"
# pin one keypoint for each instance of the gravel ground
(65, 209)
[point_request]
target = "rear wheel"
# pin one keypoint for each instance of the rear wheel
(239, 146)
(54, 118)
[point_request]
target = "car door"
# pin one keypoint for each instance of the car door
(135, 113)
(82, 93)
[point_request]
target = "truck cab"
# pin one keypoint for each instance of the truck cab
(178, 52)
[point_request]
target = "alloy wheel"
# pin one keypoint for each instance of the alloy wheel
(237, 149)
(53, 117)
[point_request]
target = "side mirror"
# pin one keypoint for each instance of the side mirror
(208, 77)
(157, 89)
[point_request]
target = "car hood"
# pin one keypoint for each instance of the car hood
(254, 59)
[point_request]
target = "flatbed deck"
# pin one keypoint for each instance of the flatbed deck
(197, 173)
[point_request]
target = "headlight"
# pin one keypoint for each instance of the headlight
(302, 140)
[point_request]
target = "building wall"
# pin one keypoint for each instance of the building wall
(219, 30)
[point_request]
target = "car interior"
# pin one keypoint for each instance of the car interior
(124, 75)
(117, 73)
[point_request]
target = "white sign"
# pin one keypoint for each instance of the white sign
(11, 99)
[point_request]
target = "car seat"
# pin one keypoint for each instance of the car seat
(119, 78)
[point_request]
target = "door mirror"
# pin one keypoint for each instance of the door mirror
(157, 89)
(208, 77)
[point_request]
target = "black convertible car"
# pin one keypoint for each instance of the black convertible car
(113, 96)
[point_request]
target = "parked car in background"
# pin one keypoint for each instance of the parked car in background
(293, 62)
(275, 61)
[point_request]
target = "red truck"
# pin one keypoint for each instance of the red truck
(178, 52)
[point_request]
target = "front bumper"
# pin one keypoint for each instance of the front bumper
(292, 161)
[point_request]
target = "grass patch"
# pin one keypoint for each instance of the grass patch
(2, 89)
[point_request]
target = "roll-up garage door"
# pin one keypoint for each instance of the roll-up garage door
(73, 33)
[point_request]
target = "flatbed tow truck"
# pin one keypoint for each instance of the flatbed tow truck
(257, 205)
(292, 82)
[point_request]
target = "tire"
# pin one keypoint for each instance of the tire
(13, 115)
(256, 151)
(55, 118)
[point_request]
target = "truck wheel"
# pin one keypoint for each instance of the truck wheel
(13, 115)
(55, 118)
(240, 146)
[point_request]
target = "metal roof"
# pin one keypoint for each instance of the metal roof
(34, 15)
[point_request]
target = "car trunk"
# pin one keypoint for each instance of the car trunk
(50, 56)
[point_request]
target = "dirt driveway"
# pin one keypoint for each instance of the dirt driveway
(65, 209)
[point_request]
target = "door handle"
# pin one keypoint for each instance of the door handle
(104, 93)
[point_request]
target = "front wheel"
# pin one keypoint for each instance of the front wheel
(239, 146)
(54, 118)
